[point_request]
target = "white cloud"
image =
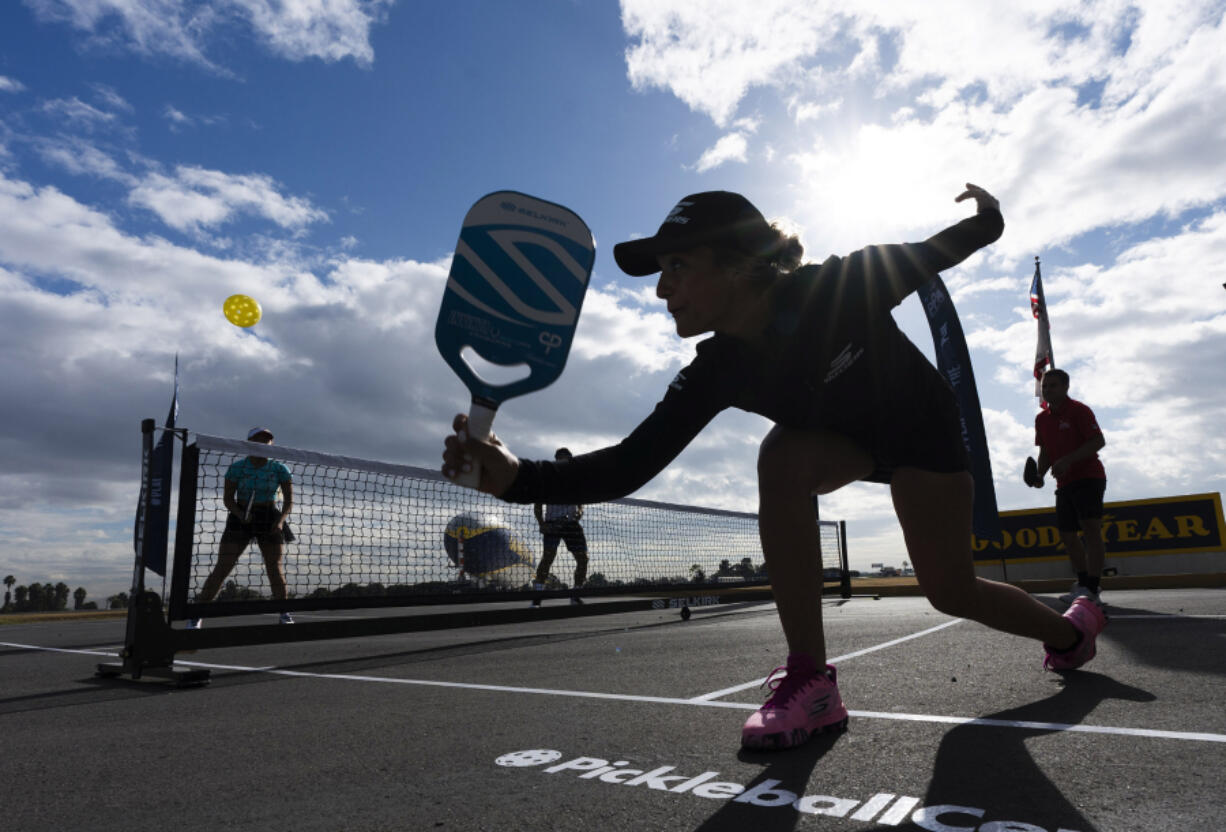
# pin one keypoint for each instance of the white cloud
(176, 117)
(641, 339)
(1011, 117)
(111, 98)
(710, 54)
(152, 27)
(730, 148)
(179, 120)
(78, 113)
(329, 30)
(78, 156)
(10, 84)
(196, 198)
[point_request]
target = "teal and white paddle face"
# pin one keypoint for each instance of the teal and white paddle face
(516, 286)
(513, 296)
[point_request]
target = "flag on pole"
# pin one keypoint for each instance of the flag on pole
(157, 525)
(954, 362)
(1043, 358)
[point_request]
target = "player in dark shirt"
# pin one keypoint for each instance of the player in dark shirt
(815, 349)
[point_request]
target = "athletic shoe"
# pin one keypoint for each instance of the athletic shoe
(194, 624)
(802, 703)
(286, 618)
(576, 601)
(1089, 621)
(536, 603)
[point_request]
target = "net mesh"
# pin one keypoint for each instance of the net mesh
(364, 528)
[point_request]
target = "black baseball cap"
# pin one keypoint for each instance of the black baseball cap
(699, 219)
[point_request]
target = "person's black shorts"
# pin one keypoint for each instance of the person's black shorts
(928, 437)
(259, 527)
(555, 531)
(1079, 501)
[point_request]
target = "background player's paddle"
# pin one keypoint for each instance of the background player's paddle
(1030, 474)
(513, 296)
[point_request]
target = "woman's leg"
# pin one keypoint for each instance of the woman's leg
(792, 466)
(273, 552)
(934, 511)
(227, 556)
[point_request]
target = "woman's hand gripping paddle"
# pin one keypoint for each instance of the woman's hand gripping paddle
(513, 296)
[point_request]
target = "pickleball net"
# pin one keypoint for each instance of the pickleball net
(368, 533)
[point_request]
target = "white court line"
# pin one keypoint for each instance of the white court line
(707, 697)
(105, 654)
(669, 700)
(1158, 616)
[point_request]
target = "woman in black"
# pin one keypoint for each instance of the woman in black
(815, 349)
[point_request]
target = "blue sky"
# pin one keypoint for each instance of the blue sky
(157, 156)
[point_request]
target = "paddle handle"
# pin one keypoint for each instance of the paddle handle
(480, 420)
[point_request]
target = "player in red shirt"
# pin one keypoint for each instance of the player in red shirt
(1069, 440)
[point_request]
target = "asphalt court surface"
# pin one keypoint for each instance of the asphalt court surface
(627, 722)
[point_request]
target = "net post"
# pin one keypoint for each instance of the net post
(845, 582)
(185, 527)
(146, 502)
(142, 538)
(148, 640)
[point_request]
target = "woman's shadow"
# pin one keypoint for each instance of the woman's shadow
(791, 769)
(990, 767)
(983, 764)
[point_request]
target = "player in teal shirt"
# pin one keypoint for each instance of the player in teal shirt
(250, 496)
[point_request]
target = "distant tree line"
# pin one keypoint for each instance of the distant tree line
(746, 570)
(50, 597)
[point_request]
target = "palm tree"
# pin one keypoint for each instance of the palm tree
(9, 580)
(78, 598)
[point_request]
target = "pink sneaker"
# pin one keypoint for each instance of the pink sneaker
(802, 703)
(1089, 620)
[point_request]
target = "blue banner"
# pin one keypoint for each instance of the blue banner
(954, 362)
(157, 524)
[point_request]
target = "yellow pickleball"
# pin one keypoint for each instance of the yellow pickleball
(242, 310)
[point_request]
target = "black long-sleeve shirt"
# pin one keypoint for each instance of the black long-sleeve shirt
(832, 358)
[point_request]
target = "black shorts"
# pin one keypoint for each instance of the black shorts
(570, 531)
(1079, 501)
(259, 527)
(928, 437)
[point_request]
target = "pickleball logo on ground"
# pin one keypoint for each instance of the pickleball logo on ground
(525, 759)
(885, 809)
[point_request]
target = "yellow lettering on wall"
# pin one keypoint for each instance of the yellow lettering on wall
(1048, 536)
(1128, 531)
(1190, 524)
(1157, 529)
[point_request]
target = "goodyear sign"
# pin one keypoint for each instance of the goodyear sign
(1160, 526)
